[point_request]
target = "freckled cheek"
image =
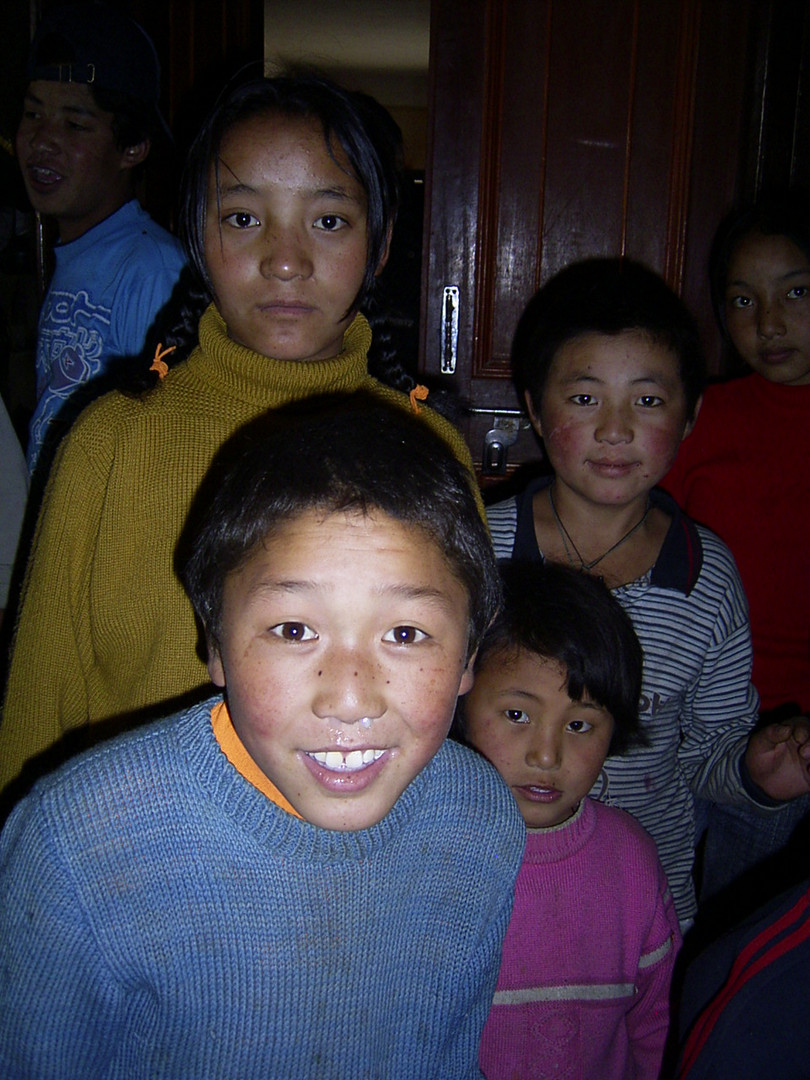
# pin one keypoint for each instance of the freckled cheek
(564, 440)
(431, 684)
(503, 755)
(265, 704)
(430, 701)
(264, 695)
(225, 268)
(346, 274)
(483, 735)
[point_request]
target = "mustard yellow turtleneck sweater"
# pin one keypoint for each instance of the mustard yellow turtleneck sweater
(105, 628)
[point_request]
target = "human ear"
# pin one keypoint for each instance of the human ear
(467, 677)
(386, 251)
(691, 423)
(533, 417)
(134, 155)
(215, 667)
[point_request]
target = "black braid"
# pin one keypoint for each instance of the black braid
(177, 327)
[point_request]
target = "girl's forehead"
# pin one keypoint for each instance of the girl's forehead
(275, 147)
(273, 124)
(758, 252)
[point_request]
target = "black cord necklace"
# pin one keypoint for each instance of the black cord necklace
(566, 538)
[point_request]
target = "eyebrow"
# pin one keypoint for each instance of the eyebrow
(518, 691)
(240, 188)
(75, 110)
(80, 110)
(587, 377)
(399, 591)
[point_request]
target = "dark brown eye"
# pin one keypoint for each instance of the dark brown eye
(293, 631)
(405, 635)
(579, 727)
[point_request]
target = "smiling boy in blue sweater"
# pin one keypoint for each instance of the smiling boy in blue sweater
(301, 878)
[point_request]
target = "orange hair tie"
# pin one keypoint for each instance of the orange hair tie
(419, 393)
(159, 364)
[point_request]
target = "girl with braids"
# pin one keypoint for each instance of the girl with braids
(288, 204)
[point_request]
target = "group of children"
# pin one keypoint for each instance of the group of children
(301, 875)
(288, 208)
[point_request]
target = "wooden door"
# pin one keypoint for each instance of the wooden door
(201, 47)
(559, 131)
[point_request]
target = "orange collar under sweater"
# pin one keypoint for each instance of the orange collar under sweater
(234, 750)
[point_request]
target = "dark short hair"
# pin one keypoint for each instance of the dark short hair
(132, 122)
(353, 452)
(783, 213)
(571, 618)
(371, 143)
(604, 296)
(99, 46)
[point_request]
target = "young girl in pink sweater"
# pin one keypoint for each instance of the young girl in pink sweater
(584, 983)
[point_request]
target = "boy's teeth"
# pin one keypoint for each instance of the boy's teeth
(354, 759)
(43, 175)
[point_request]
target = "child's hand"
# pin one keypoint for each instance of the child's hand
(778, 758)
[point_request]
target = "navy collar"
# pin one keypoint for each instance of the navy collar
(678, 564)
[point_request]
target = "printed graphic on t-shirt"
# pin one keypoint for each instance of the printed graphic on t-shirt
(72, 336)
(71, 339)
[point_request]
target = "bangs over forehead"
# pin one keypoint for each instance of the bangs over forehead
(566, 617)
(339, 454)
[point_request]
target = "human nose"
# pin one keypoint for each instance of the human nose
(349, 688)
(545, 750)
(37, 133)
(285, 256)
(613, 425)
(770, 321)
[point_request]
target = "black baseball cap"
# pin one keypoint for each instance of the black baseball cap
(100, 47)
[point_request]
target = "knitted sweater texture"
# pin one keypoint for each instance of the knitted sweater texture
(161, 918)
(743, 473)
(105, 628)
(583, 990)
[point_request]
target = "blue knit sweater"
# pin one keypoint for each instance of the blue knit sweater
(160, 918)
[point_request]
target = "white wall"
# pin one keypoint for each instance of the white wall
(380, 46)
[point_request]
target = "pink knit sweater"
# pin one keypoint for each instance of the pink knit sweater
(584, 982)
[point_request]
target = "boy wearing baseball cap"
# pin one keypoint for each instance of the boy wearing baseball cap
(89, 118)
